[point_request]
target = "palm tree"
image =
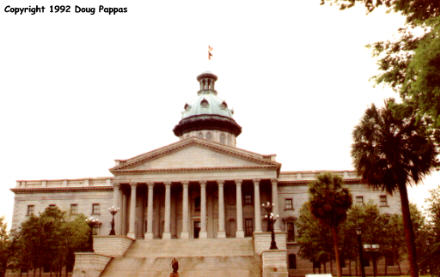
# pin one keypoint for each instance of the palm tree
(329, 203)
(393, 148)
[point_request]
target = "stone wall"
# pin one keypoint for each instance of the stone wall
(113, 246)
(89, 264)
(262, 241)
(274, 263)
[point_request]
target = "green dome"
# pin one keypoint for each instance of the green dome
(207, 111)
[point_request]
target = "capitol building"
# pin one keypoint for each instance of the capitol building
(198, 199)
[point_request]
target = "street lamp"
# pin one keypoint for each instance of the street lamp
(361, 258)
(271, 218)
(113, 210)
(92, 222)
(373, 250)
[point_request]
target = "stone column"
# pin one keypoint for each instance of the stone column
(203, 234)
(257, 205)
(275, 208)
(131, 225)
(149, 233)
(185, 217)
(221, 210)
(124, 213)
(166, 230)
(239, 233)
(117, 204)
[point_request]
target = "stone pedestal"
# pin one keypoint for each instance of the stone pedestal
(274, 263)
(262, 241)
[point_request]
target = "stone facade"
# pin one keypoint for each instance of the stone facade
(200, 187)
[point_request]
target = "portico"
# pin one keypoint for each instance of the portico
(191, 208)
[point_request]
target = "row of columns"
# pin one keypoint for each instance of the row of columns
(185, 209)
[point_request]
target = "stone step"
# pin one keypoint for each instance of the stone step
(191, 248)
(188, 267)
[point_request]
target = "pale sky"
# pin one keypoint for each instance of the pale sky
(78, 91)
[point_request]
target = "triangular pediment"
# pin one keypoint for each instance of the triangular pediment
(195, 153)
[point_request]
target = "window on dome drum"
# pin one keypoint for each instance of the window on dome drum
(222, 138)
(288, 204)
(96, 209)
(52, 206)
(200, 135)
(73, 209)
(290, 231)
(30, 210)
(292, 261)
(208, 135)
(383, 202)
(248, 199)
(359, 199)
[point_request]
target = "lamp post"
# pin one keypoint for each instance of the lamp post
(361, 258)
(92, 222)
(271, 218)
(373, 250)
(113, 210)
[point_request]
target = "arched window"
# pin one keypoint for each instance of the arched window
(208, 135)
(292, 261)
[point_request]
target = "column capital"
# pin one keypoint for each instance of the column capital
(274, 181)
(133, 184)
(203, 183)
(238, 181)
(167, 184)
(220, 182)
(256, 180)
(150, 184)
(117, 185)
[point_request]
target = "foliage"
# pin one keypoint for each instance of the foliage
(392, 149)
(410, 64)
(431, 254)
(313, 239)
(329, 203)
(49, 240)
(4, 247)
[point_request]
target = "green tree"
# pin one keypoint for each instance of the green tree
(410, 64)
(392, 149)
(50, 240)
(329, 203)
(4, 247)
(313, 239)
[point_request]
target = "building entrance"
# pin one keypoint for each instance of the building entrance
(196, 229)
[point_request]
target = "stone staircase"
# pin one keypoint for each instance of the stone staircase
(196, 257)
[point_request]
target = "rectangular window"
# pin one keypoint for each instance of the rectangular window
(73, 209)
(248, 227)
(248, 199)
(288, 204)
(383, 202)
(30, 210)
(95, 209)
(290, 231)
(359, 199)
(292, 261)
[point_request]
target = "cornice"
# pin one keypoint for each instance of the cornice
(196, 169)
(61, 189)
(306, 182)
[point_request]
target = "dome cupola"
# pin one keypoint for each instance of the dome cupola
(208, 117)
